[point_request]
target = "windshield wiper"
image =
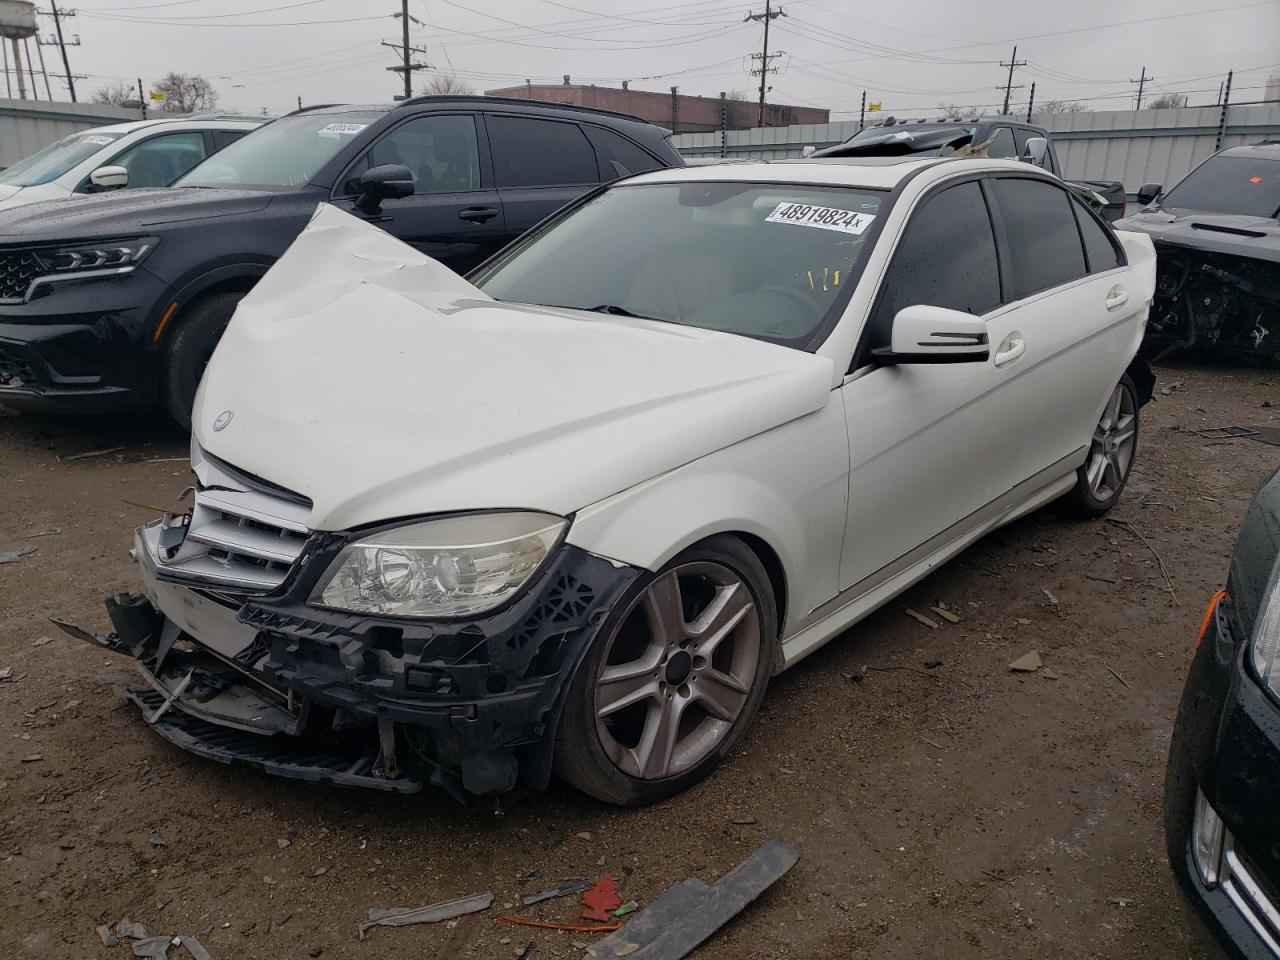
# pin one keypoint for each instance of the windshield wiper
(616, 311)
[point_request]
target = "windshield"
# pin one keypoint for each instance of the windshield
(1249, 186)
(760, 260)
(56, 159)
(285, 153)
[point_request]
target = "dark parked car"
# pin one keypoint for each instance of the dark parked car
(1217, 237)
(1222, 790)
(1004, 139)
(119, 299)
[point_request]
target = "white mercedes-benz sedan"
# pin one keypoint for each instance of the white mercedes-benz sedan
(572, 513)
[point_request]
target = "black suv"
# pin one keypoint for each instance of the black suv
(119, 299)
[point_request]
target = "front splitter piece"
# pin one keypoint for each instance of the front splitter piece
(280, 755)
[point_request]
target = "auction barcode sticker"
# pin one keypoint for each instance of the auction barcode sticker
(824, 218)
(343, 128)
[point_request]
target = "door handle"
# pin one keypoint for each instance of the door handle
(1116, 298)
(478, 214)
(1010, 350)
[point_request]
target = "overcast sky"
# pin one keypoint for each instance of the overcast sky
(909, 54)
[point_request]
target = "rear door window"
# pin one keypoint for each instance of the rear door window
(1044, 244)
(946, 258)
(530, 152)
(1100, 245)
(618, 156)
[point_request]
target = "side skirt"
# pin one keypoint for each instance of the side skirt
(866, 596)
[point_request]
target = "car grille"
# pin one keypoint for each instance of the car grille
(17, 269)
(244, 535)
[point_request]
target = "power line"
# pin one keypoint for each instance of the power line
(1008, 84)
(1141, 82)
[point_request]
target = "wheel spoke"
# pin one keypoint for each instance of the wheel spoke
(625, 684)
(658, 742)
(1113, 408)
(1112, 473)
(664, 610)
(1094, 473)
(722, 694)
(723, 613)
(1122, 435)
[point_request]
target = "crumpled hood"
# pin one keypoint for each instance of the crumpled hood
(379, 384)
(1257, 237)
(119, 213)
(7, 191)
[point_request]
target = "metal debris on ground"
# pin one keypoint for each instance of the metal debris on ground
(691, 911)
(600, 900)
(6, 673)
(1027, 663)
(1269, 435)
(564, 890)
(17, 552)
(1176, 385)
(109, 939)
(553, 925)
(432, 913)
(1224, 433)
(156, 839)
(91, 453)
(153, 948)
(131, 929)
(921, 618)
(531, 876)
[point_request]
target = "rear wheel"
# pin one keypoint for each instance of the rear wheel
(1105, 471)
(674, 678)
(199, 328)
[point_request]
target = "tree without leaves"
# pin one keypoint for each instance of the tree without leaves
(116, 94)
(739, 95)
(953, 111)
(1062, 106)
(1168, 101)
(187, 93)
(444, 84)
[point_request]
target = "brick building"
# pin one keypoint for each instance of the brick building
(676, 111)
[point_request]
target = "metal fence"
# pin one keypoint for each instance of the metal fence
(28, 125)
(1132, 146)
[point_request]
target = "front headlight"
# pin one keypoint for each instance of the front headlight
(1266, 641)
(453, 567)
(116, 256)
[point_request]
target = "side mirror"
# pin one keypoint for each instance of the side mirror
(1148, 192)
(925, 334)
(1036, 151)
(390, 181)
(809, 150)
(110, 178)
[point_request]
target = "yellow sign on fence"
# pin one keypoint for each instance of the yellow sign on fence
(874, 107)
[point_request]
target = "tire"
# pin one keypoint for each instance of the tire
(619, 759)
(190, 346)
(1115, 448)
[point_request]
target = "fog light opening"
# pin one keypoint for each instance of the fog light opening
(1206, 841)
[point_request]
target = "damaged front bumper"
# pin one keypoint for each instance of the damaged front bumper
(353, 700)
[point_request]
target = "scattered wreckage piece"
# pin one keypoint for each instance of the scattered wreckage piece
(570, 927)
(195, 948)
(432, 913)
(599, 902)
(691, 911)
(564, 890)
(153, 948)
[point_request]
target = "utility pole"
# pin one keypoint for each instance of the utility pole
(142, 99)
(44, 72)
(862, 114)
(1008, 86)
(1222, 117)
(724, 125)
(404, 23)
(62, 44)
(675, 109)
(299, 101)
(1141, 82)
(17, 69)
(1031, 101)
(764, 56)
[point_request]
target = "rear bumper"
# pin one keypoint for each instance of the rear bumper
(355, 701)
(1226, 744)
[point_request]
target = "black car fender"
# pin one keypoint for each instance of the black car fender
(230, 276)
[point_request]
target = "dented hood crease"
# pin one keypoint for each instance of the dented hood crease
(378, 383)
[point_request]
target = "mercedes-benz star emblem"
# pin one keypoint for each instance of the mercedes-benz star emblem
(223, 419)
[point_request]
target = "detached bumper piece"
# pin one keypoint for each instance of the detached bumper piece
(283, 756)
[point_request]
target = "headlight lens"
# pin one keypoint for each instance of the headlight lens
(121, 255)
(1266, 641)
(453, 567)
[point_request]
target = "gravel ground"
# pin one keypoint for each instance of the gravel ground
(959, 810)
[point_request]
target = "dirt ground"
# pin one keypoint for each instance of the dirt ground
(958, 810)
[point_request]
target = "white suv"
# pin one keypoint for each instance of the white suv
(143, 153)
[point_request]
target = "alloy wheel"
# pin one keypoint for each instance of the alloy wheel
(1111, 452)
(677, 671)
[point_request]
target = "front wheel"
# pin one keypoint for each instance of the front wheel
(190, 346)
(1101, 478)
(673, 679)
